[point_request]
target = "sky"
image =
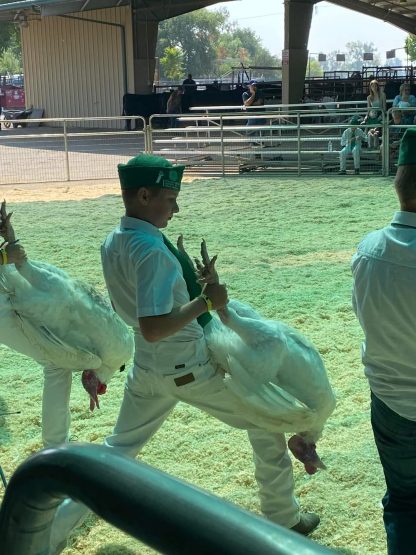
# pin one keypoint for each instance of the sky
(332, 26)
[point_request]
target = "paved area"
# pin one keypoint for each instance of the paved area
(30, 155)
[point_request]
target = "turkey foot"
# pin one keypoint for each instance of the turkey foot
(306, 453)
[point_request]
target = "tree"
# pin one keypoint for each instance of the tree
(172, 63)
(353, 57)
(195, 34)
(211, 44)
(10, 63)
(10, 47)
(314, 68)
(410, 47)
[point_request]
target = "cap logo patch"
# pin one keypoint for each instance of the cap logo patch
(160, 177)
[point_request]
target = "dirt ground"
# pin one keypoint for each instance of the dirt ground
(307, 268)
(63, 190)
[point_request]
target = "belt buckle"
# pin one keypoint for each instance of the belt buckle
(183, 380)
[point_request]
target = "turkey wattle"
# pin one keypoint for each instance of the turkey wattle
(69, 322)
(273, 369)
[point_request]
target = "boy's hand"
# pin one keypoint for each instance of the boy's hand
(217, 294)
(15, 254)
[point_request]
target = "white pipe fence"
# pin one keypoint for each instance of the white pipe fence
(294, 140)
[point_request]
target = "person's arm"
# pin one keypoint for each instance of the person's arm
(396, 100)
(155, 328)
(249, 101)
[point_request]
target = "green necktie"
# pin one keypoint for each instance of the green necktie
(194, 288)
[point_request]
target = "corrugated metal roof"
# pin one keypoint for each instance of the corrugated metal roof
(401, 13)
(148, 9)
(41, 8)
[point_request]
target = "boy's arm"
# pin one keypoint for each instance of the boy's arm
(155, 328)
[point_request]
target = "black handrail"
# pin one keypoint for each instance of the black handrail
(165, 513)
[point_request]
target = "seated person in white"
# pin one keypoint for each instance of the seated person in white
(351, 141)
(64, 325)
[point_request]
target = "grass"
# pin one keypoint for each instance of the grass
(284, 246)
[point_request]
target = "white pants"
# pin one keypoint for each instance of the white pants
(148, 400)
(356, 151)
(56, 417)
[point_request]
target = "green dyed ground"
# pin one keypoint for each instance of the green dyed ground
(284, 246)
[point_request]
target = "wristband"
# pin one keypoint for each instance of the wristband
(4, 256)
(208, 301)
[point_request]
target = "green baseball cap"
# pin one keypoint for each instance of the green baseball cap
(147, 170)
(355, 120)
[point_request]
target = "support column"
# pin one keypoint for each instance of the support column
(298, 18)
(144, 48)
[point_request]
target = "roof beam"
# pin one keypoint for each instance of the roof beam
(403, 22)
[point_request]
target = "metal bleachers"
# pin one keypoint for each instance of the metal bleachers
(302, 141)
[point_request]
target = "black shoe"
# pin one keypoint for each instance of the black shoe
(307, 524)
(357, 171)
(342, 172)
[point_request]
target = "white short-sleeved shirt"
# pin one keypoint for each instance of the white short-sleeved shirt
(145, 279)
(384, 299)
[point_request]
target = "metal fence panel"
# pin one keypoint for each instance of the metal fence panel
(66, 151)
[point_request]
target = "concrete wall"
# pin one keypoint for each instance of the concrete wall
(75, 68)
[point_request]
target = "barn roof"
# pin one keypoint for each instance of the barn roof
(150, 9)
(401, 13)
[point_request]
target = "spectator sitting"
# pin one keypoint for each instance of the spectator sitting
(376, 97)
(373, 134)
(405, 100)
(174, 105)
(351, 140)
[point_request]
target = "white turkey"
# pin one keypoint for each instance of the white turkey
(60, 321)
(272, 368)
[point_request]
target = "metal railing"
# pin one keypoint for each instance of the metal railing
(167, 514)
(65, 149)
(300, 141)
(296, 139)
